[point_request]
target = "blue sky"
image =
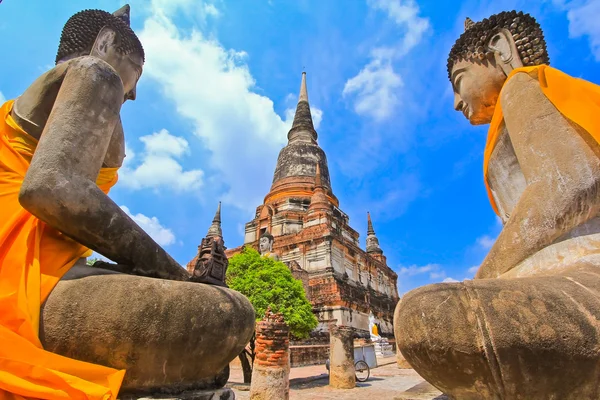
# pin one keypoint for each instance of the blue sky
(221, 80)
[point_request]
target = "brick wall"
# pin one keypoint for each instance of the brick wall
(272, 341)
(301, 356)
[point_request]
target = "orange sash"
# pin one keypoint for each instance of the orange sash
(33, 258)
(576, 99)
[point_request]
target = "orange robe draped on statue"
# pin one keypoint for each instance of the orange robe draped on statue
(33, 257)
(578, 100)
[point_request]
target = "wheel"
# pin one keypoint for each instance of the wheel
(362, 371)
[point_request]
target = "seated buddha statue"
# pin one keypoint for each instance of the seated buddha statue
(68, 331)
(526, 327)
(265, 246)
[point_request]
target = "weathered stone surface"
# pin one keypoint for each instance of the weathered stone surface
(401, 361)
(271, 371)
(341, 370)
(527, 326)
(166, 334)
(510, 339)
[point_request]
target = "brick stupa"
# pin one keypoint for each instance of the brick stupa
(313, 237)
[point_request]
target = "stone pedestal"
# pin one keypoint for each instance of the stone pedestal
(271, 372)
(341, 367)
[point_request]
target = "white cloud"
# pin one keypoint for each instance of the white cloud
(486, 242)
(473, 270)
(164, 143)
(199, 11)
(437, 275)
(375, 87)
(161, 235)
(2, 98)
(583, 21)
(212, 87)
(449, 279)
(405, 13)
(417, 270)
(158, 166)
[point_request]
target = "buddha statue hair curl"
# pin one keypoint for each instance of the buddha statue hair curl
(526, 32)
(81, 30)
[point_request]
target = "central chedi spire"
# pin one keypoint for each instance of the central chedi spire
(297, 162)
(301, 224)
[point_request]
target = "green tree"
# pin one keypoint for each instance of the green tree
(91, 261)
(269, 283)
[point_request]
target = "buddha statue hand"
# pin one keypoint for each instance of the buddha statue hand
(133, 270)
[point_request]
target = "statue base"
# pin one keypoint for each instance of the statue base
(211, 394)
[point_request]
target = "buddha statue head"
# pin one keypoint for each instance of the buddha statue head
(265, 243)
(485, 54)
(106, 36)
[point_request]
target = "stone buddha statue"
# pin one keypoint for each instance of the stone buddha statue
(527, 326)
(265, 246)
(97, 331)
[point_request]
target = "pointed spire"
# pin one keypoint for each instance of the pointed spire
(124, 14)
(372, 241)
(215, 228)
(303, 91)
(370, 230)
(302, 127)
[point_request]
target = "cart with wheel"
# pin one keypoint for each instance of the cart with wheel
(364, 360)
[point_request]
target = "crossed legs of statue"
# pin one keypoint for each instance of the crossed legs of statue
(525, 338)
(168, 335)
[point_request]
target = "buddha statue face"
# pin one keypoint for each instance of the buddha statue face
(108, 37)
(485, 54)
(265, 243)
(476, 89)
(128, 66)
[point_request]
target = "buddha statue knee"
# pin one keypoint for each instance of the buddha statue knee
(142, 326)
(526, 326)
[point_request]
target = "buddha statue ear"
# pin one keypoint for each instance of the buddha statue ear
(105, 39)
(503, 46)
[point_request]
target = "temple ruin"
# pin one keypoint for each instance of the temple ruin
(307, 230)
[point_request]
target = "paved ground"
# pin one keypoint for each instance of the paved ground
(386, 382)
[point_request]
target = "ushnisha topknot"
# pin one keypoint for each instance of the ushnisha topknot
(81, 30)
(525, 30)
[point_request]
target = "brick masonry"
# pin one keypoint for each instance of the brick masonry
(270, 374)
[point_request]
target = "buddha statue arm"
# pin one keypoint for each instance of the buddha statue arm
(563, 186)
(59, 187)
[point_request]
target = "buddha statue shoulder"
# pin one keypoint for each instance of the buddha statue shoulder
(526, 325)
(68, 330)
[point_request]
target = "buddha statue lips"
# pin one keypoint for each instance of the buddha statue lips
(96, 332)
(526, 326)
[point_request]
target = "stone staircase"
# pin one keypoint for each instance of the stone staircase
(383, 348)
